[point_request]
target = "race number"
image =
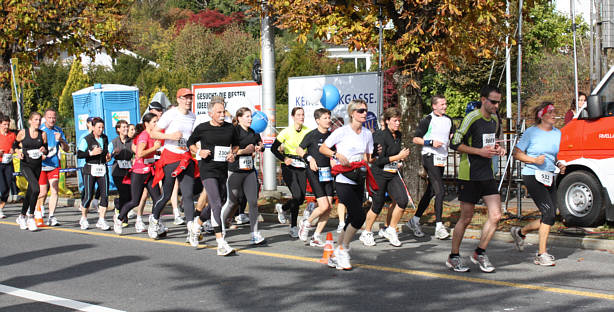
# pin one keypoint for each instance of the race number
(391, 167)
(246, 163)
(220, 153)
(34, 154)
(544, 177)
(488, 139)
(324, 174)
(182, 144)
(356, 158)
(98, 170)
(439, 160)
(149, 161)
(297, 163)
(7, 158)
(124, 164)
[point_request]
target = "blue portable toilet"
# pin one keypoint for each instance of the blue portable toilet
(111, 102)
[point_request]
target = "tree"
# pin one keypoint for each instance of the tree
(77, 80)
(426, 34)
(32, 30)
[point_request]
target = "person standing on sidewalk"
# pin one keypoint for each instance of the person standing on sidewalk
(433, 133)
(475, 139)
(50, 173)
(538, 148)
(386, 172)
(292, 168)
(7, 139)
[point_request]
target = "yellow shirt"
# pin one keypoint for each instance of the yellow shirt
(291, 138)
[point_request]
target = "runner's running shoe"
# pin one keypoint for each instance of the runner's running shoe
(52, 221)
(483, 262)
(308, 210)
(2, 215)
(152, 229)
(84, 223)
(391, 235)
(293, 232)
(178, 220)
(132, 214)
(103, 225)
(303, 230)
(381, 232)
(343, 258)
(441, 232)
(32, 224)
(257, 238)
(194, 232)
(223, 249)
(281, 214)
(139, 226)
(544, 259)
(340, 227)
(456, 264)
(21, 220)
(518, 240)
(316, 241)
(415, 227)
(242, 219)
(367, 238)
(117, 224)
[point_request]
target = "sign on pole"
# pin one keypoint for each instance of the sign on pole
(236, 95)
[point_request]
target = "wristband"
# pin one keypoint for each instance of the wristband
(428, 142)
(335, 155)
(308, 158)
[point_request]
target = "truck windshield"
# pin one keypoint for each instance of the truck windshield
(606, 97)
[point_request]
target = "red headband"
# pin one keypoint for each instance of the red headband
(545, 110)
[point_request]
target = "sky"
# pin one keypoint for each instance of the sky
(581, 7)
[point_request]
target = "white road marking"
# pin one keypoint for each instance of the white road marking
(63, 302)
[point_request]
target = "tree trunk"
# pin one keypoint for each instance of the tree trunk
(7, 106)
(410, 102)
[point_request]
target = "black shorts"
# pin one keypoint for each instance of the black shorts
(472, 191)
(320, 189)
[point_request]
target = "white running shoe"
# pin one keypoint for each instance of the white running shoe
(21, 220)
(391, 235)
(52, 221)
(340, 227)
(117, 224)
(303, 230)
(32, 225)
(483, 262)
(316, 241)
(308, 210)
(178, 220)
(456, 264)
(415, 227)
(441, 232)
(518, 240)
(223, 249)
(83, 223)
(281, 214)
(382, 232)
(103, 225)
(544, 259)
(139, 226)
(193, 233)
(293, 232)
(152, 229)
(367, 239)
(2, 215)
(257, 238)
(207, 227)
(343, 258)
(132, 214)
(242, 219)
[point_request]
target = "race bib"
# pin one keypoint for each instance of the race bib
(324, 174)
(149, 161)
(7, 158)
(356, 158)
(47, 168)
(182, 144)
(52, 151)
(34, 154)
(98, 170)
(220, 153)
(544, 177)
(246, 163)
(488, 139)
(124, 164)
(439, 160)
(297, 163)
(391, 167)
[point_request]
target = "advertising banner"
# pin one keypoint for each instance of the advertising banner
(236, 95)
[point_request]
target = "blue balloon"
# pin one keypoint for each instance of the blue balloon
(259, 121)
(330, 97)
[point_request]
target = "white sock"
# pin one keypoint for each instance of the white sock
(219, 241)
(416, 220)
(139, 218)
(439, 225)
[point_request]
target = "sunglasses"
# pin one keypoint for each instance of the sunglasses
(361, 110)
(493, 101)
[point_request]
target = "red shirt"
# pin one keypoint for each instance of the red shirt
(6, 141)
(139, 164)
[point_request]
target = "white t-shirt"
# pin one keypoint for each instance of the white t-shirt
(439, 130)
(350, 144)
(172, 121)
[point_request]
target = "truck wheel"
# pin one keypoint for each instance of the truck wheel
(580, 200)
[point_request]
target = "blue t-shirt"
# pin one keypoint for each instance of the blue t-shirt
(53, 159)
(535, 142)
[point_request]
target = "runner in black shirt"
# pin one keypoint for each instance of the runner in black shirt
(219, 146)
(318, 175)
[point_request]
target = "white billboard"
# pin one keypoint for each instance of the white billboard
(236, 95)
(306, 92)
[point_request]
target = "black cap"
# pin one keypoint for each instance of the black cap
(156, 105)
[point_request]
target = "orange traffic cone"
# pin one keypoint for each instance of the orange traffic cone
(38, 217)
(329, 246)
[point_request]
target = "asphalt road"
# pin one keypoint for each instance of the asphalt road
(133, 273)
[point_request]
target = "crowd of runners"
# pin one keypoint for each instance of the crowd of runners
(172, 151)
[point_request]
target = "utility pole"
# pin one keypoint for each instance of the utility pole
(269, 171)
(575, 56)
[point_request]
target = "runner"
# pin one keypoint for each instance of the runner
(81, 163)
(319, 176)
(242, 179)
(141, 174)
(354, 144)
(292, 168)
(538, 148)
(50, 173)
(219, 145)
(7, 139)
(30, 145)
(131, 131)
(121, 151)
(94, 148)
(176, 163)
(433, 133)
(475, 139)
(386, 172)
